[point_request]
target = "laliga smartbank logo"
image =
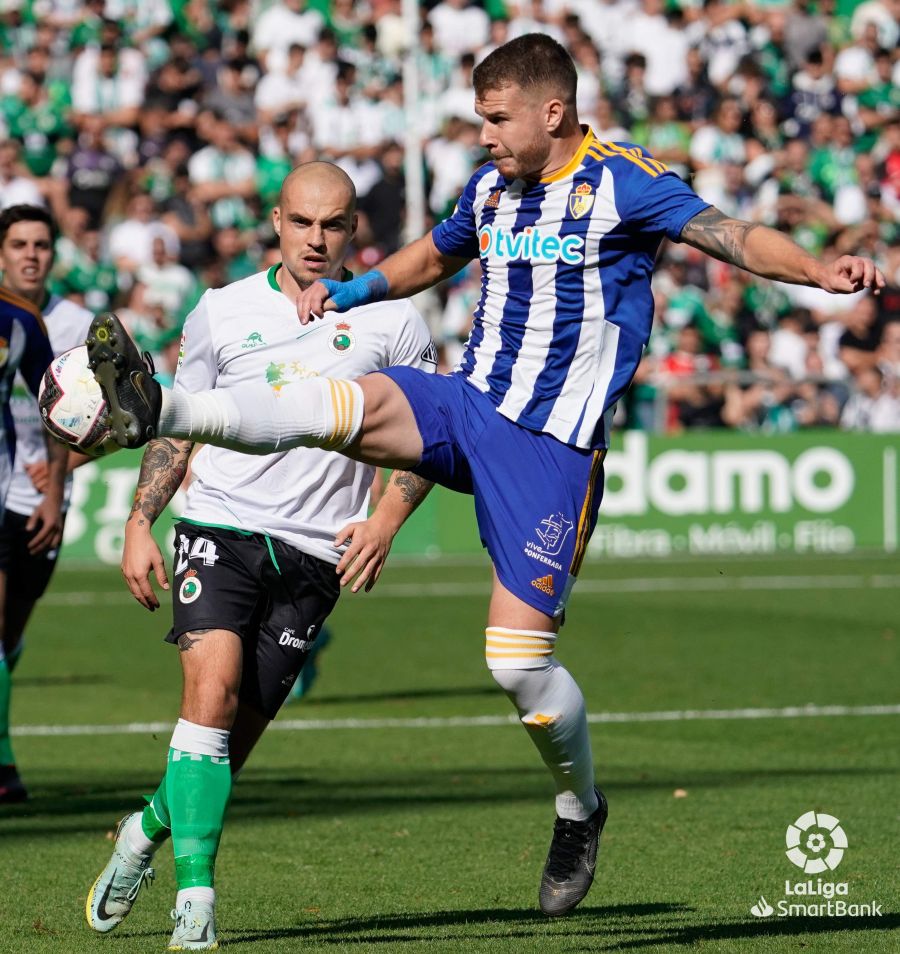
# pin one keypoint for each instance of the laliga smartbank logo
(532, 244)
(815, 843)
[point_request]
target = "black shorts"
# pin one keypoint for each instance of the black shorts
(274, 597)
(27, 575)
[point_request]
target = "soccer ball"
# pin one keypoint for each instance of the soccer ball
(72, 405)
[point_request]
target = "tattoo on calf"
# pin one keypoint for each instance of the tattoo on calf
(187, 641)
(720, 236)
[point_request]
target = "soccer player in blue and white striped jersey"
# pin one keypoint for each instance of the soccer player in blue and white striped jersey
(566, 227)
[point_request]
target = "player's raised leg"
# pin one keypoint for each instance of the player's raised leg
(520, 655)
(368, 419)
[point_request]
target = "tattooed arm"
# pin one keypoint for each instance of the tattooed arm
(162, 471)
(772, 254)
(370, 541)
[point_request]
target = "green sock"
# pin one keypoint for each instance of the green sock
(197, 788)
(6, 752)
(155, 820)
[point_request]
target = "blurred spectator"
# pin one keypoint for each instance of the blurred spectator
(223, 173)
(80, 272)
(873, 405)
(92, 171)
(188, 218)
(233, 102)
(384, 204)
(131, 241)
(231, 253)
(692, 402)
(723, 40)
(814, 94)
(666, 137)
(167, 284)
(805, 30)
(109, 83)
(663, 45)
(346, 131)
(633, 99)
(763, 404)
(15, 188)
(283, 23)
(854, 66)
(860, 342)
(279, 92)
(458, 27)
(37, 121)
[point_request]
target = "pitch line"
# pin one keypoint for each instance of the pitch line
(467, 722)
(650, 584)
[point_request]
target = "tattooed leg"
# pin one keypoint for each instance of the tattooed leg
(211, 661)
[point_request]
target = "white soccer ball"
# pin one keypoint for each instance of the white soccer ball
(72, 405)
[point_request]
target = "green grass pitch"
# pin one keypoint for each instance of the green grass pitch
(364, 831)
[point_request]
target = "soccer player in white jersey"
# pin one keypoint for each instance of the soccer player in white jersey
(259, 539)
(31, 527)
(567, 228)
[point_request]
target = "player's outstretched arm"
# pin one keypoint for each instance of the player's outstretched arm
(772, 254)
(412, 269)
(370, 540)
(163, 468)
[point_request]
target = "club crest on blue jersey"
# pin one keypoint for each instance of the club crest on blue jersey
(342, 340)
(581, 200)
(493, 200)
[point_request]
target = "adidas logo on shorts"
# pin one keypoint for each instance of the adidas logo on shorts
(544, 584)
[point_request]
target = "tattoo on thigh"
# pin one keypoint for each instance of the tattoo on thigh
(186, 641)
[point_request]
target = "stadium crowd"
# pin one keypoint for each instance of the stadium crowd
(158, 132)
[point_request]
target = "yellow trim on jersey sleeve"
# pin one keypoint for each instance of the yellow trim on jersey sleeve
(635, 155)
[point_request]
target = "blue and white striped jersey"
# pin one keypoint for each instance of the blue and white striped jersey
(24, 346)
(566, 305)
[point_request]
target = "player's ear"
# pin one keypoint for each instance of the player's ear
(276, 220)
(554, 112)
(354, 224)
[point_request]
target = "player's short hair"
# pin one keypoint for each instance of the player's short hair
(26, 213)
(322, 167)
(530, 61)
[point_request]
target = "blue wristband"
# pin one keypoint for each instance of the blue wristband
(372, 286)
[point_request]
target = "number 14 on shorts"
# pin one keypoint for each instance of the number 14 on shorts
(200, 548)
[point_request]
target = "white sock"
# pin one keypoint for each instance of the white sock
(551, 707)
(137, 842)
(203, 895)
(200, 739)
(255, 419)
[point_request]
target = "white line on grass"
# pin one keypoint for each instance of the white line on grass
(650, 584)
(308, 725)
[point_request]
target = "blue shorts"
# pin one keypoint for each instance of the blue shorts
(536, 499)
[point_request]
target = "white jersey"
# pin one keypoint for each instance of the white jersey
(67, 327)
(249, 332)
